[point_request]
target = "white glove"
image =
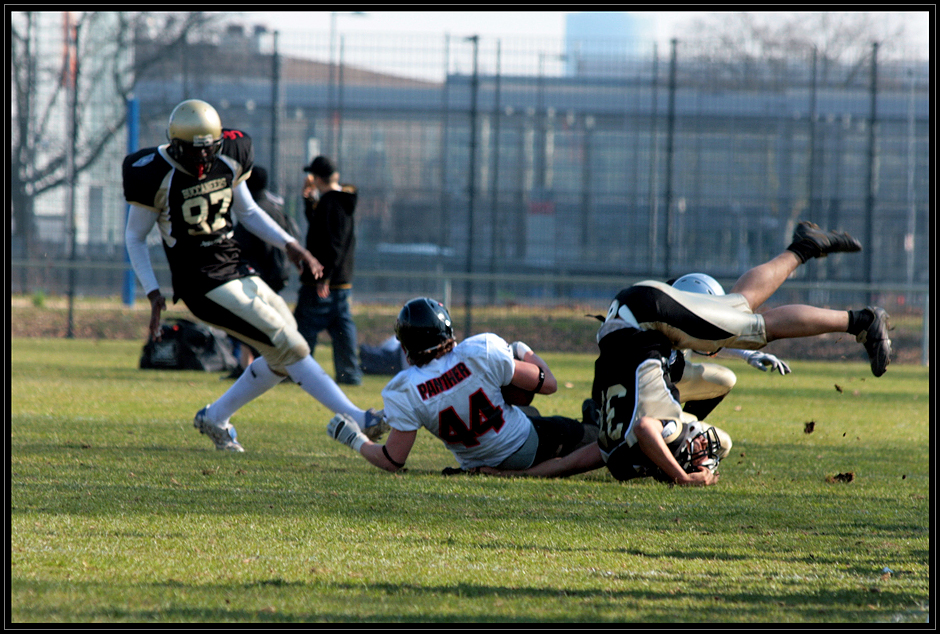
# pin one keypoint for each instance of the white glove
(519, 350)
(763, 361)
(344, 429)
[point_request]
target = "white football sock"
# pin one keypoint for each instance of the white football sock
(254, 381)
(310, 376)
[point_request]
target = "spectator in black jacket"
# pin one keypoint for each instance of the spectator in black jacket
(323, 304)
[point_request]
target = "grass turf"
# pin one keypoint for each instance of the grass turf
(121, 512)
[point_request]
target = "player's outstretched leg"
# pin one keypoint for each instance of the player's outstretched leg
(869, 325)
(809, 241)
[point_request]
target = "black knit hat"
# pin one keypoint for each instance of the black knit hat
(322, 167)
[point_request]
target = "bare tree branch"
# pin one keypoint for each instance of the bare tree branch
(109, 59)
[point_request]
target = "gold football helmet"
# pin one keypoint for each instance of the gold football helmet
(195, 134)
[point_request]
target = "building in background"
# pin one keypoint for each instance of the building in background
(607, 170)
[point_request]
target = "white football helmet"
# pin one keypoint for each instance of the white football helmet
(714, 446)
(699, 283)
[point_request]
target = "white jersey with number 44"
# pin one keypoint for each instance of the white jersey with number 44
(458, 399)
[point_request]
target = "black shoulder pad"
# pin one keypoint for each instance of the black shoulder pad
(143, 172)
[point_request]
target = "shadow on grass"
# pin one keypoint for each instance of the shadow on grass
(341, 602)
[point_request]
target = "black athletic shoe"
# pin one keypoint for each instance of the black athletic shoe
(876, 341)
(821, 243)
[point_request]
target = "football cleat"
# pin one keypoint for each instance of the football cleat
(224, 436)
(876, 341)
(375, 425)
(821, 243)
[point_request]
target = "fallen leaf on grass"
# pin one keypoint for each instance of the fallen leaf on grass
(809, 427)
(838, 389)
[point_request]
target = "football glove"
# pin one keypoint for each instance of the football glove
(764, 362)
(344, 429)
(519, 350)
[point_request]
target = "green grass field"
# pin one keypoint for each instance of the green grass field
(122, 512)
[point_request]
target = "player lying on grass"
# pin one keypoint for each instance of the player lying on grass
(644, 431)
(458, 392)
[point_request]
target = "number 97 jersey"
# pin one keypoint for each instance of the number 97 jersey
(193, 214)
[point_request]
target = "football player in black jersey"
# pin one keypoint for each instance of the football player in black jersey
(644, 431)
(189, 188)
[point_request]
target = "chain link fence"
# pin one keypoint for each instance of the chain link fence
(506, 171)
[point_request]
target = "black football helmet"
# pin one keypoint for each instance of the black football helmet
(423, 323)
(195, 134)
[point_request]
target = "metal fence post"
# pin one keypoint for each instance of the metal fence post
(474, 88)
(133, 140)
(276, 104)
(71, 171)
(872, 184)
(670, 140)
(925, 338)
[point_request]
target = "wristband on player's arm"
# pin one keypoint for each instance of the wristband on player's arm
(390, 459)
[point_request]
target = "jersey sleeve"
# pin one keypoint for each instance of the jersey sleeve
(498, 362)
(399, 411)
(236, 145)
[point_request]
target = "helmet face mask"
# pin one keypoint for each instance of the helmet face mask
(197, 159)
(423, 324)
(195, 134)
(702, 447)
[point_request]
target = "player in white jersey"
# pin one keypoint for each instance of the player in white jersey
(456, 392)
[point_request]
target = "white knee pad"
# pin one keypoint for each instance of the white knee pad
(289, 348)
(702, 381)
